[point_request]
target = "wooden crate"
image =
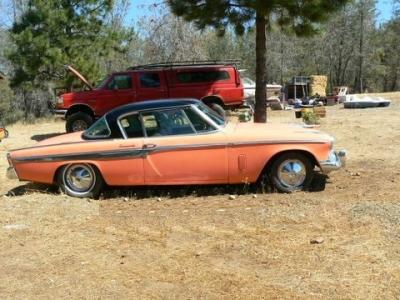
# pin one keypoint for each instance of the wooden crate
(320, 111)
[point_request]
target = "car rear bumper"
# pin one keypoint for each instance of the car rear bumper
(11, 174)
(335, 161)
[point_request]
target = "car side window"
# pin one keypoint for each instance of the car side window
(202, 76)
(149, 80)
(166, 122)
(132, 126)
(120, 82)
(199, 124)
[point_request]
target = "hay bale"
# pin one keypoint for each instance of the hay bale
(318, 84)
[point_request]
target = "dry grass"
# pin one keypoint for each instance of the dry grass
(212, 247)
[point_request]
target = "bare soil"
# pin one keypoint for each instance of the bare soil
(342, 242)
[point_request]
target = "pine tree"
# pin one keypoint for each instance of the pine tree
(302, 16)
(54, 33)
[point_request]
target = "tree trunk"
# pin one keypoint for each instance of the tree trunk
(361, 58)
(260, 114)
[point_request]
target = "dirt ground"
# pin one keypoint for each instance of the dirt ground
(54, 246)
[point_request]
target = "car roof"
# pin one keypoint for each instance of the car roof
(151, 104)
(113, 115)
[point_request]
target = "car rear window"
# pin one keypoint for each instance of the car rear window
(131, 125)
(199, 124)
(99, 129)
(202, 76)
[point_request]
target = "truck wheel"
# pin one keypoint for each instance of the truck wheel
(292, 172)
(218, 109)
(78, 122)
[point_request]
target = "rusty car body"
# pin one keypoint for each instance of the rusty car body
(175, 142)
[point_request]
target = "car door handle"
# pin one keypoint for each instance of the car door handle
(149, 146)
(127, 145)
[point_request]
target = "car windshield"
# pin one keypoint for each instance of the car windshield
(212, 114)
(102, 83)
(99, 129)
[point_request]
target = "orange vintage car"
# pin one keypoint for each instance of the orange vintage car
(175, 142)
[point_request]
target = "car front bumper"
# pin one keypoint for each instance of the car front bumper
(11, 174)
(335, 161)
(60, 112)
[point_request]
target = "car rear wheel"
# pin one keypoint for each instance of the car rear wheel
(80, 180)
(78, 122)
(292, 172)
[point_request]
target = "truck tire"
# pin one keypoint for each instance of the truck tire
(78, 122)
(218, 109)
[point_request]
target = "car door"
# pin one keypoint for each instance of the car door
(180, 152)
(118, 91)
(130, 151)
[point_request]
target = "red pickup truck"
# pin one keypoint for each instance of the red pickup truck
(216, 84)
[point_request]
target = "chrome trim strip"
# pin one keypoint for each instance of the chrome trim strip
(59, 144)
(143, 152)
(184, 147)
(84, 156)
(276, 142)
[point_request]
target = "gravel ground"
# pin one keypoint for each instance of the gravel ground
(342, 242)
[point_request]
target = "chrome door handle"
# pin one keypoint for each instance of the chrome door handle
(149, 146)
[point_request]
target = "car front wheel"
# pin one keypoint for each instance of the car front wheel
(292, 172)
(80, 180)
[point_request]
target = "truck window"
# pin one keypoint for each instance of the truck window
(202, 76)
(120, 82)
(149, 80)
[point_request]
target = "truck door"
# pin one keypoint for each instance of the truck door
(118, 91)
(151, 85)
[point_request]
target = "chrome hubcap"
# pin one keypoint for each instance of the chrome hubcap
(79, 178)
(79, 125)
(292, 173)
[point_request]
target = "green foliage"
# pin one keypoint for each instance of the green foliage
(8, 113)
(54, 33)
(310, 118)
(302, 17)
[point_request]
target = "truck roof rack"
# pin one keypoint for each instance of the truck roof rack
(185, 63)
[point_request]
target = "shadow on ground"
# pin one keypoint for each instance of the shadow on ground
(318, 184)
(41, 137)
(32, 188)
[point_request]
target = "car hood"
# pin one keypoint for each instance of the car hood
(80, 76)
(275, 132)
